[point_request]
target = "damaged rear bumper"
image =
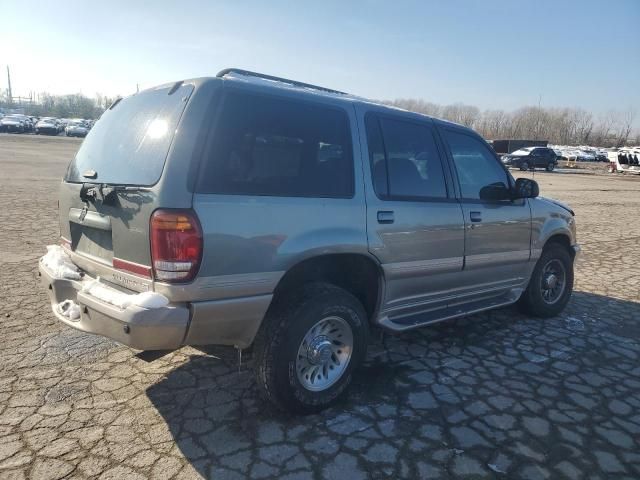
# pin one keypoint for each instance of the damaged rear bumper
(140, 328)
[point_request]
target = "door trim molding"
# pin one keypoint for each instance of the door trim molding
(495, 258)
(397, 270)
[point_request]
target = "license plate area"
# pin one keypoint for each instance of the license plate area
(92, 242)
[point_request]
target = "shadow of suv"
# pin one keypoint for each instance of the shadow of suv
(256, 211)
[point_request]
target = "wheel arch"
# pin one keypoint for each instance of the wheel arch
(562, 239)
(359, 274)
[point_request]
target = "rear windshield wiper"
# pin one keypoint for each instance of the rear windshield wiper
(109, 193)
(106, 192)
(107, 189)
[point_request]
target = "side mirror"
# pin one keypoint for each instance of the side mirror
(526, 188)
(496, 191)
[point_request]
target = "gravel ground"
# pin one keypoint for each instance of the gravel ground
(494, 395)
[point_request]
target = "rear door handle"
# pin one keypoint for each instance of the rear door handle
(475, 216)
(385, 217)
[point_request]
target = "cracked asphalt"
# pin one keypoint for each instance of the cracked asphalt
(494, 395)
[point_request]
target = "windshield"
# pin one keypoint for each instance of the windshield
(130, 142)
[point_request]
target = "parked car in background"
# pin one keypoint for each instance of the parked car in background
(301, 219)
(601, 156)
(587, 156)
(76, 128)
(532, 157)
(48, 126)
(15, 123)
(560, 155)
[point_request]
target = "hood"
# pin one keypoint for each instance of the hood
(10, 121)
(559, 204)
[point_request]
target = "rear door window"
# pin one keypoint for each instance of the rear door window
(130, 142)
(405, 161)
(278, 147)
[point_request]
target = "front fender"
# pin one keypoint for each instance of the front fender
(547, 220)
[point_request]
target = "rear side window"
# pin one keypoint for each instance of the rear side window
(404, 159)
(476, 165)
(130, 142)
(271, 146)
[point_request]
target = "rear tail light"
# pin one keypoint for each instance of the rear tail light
(176, 245)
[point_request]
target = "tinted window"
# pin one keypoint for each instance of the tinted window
(130, 142)
(404, 159)
(477, 167)
(269, 146)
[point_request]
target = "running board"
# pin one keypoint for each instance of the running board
(435, 316)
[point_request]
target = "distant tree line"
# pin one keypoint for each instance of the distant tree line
(561, 126)
(62, 106)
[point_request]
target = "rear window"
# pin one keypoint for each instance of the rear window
(271, 146)
(130, 142)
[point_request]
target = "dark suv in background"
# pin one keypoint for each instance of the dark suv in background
(532, 157)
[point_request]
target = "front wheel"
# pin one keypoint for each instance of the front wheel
(524, 166)
(551, 283)
(551, 166)
(308, 348)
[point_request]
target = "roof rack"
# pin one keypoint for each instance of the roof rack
(248, 73)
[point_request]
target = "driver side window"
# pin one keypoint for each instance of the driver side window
(475, 165)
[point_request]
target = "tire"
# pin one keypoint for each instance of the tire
(524, 166)
(536, 300)
(550, 166)
(280, 367)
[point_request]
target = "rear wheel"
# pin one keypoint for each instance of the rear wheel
(551, 283)
(307, 349)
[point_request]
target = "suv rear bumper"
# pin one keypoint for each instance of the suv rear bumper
(140, 328)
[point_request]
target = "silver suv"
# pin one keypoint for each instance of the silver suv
(255, 211)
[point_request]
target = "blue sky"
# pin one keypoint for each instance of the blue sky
(491, 53)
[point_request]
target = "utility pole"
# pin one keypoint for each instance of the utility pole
(9, 84)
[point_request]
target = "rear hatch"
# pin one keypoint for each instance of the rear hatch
(113, 185)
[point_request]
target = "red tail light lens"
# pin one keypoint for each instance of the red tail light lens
(176, 245)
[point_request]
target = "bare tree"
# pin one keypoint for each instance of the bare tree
(562, 126)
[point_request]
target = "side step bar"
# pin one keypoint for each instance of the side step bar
(401, 324)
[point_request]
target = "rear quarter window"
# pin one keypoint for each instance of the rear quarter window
(130, 142)
(279, 147)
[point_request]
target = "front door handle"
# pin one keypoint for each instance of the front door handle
(475, 216)
(385, 216)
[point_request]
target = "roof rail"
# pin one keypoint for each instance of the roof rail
(248, 73)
